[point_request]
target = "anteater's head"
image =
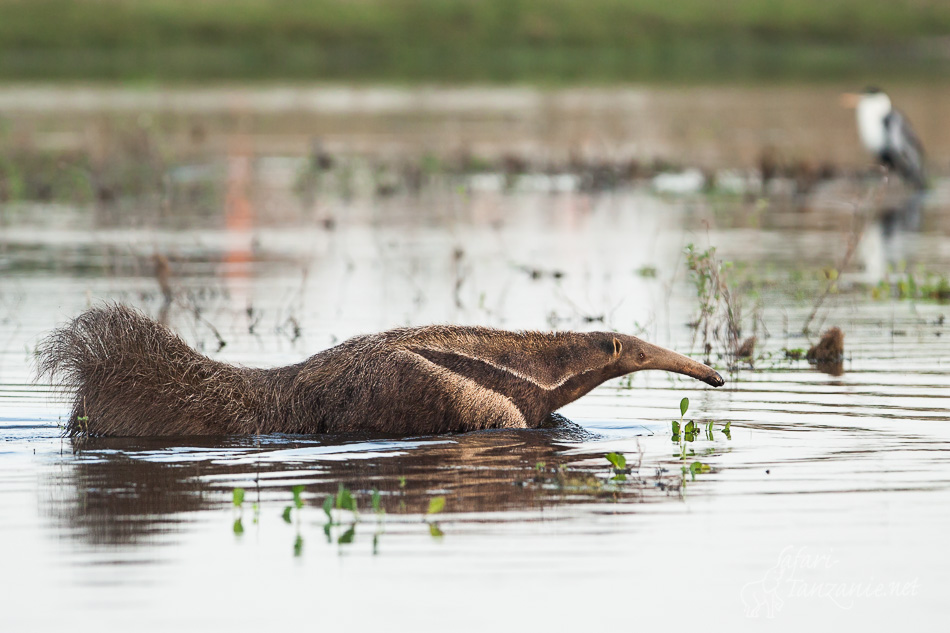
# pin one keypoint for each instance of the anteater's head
(631, 354)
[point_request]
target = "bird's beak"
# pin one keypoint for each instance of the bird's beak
(668, 360)
(849, 100)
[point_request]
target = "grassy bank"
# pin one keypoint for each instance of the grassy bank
(470, 40)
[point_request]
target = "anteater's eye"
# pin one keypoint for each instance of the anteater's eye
(642, 356)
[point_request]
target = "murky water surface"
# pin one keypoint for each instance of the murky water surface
(825, 500)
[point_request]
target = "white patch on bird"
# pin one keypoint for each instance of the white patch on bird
(871, 112)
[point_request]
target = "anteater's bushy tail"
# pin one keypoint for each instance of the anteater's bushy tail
(133, 376)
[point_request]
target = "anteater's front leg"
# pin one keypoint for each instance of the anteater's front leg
(423, 397)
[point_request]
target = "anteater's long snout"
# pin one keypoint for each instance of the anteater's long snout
(714, 379)
(668, 360)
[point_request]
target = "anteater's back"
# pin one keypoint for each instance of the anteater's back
(132, 376)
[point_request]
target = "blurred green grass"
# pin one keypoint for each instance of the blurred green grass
(472, 40)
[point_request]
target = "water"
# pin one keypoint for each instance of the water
(825, 503)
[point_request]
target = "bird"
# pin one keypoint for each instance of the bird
(887, 134)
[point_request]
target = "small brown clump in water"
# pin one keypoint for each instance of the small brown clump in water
(134, 377)
(829, 349)
(747, 349)
(828, 354)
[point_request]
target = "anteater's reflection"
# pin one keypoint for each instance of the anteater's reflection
(115, 491)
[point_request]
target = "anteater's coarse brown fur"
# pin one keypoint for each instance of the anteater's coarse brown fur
(132, 376)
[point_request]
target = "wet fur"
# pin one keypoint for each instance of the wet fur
(133, 377)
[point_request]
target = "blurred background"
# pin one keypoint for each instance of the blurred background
(236, 117)
(529, 41)
(616, 89)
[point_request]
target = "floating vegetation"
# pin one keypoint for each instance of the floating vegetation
(720, 297)
(619, 463)
(917, 285)
(341, 515)
(684, 433)
(747, 349)
(797, 353)
(353, 518)
(345, 501)
(377, 503)
(436, 505)
(297, 492)
(237, 500)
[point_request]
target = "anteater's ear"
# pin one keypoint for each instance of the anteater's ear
(618, 347)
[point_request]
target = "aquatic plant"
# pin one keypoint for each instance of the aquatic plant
(698, 467)
(618, 461)
(678, 425)
(796, 353)
(237, 500)
(720, 302)
(377, 503)
(686, 432)
(287, 516)
(345, 499)
(917, 284)
(619, 464)
(436, 505)
(861, 211)
(342, 500)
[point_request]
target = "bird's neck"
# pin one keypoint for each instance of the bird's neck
(871, 114)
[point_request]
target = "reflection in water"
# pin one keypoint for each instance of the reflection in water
(903, 216)
(830, 367)
(896, 229)
(122, 491)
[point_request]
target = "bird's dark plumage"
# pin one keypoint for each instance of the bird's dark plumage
(903, 151)
(887, 133)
